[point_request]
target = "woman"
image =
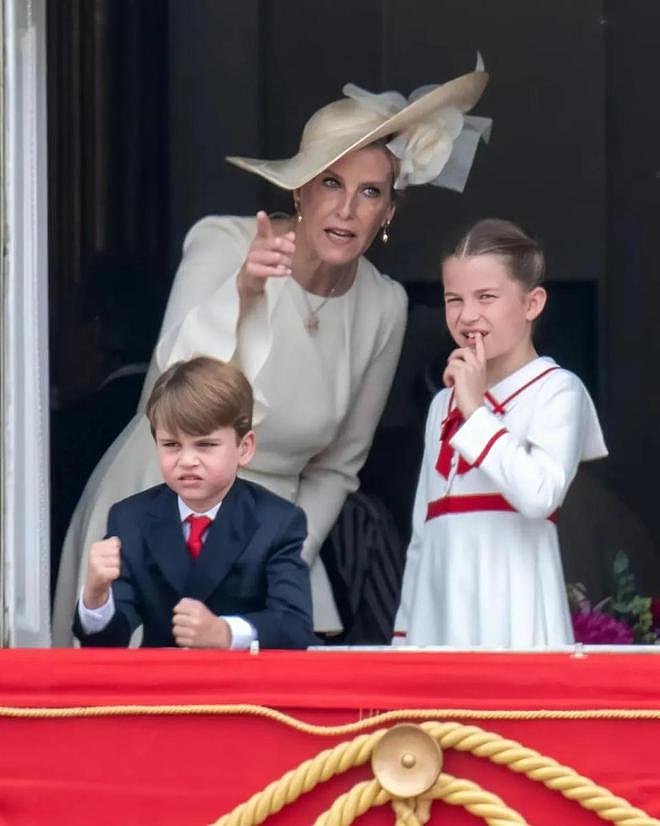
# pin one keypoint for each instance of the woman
(314, 326)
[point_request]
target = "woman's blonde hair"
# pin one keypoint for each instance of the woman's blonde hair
(199, 396)
(522, 255)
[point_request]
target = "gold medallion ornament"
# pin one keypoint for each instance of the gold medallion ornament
(406, 761)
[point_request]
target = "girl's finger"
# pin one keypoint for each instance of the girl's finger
(462, 359)
(457, 355)
(479, 349)
(470, 358)
(448, 377)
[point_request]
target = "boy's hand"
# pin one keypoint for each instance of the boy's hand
(466, 373)
(194, 626)
(102, 570)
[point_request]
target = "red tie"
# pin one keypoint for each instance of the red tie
(198, 524)
(447, 430)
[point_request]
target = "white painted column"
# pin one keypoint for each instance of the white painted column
(25, 378)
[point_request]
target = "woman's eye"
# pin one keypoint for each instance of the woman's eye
(452, 300)
(371, 191)
(330, 182)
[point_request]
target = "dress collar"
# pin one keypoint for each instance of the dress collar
(499, 394)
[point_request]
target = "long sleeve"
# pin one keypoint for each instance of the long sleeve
(534, 474)
(204, 315)
(203, 311)
(331, 475)
(93, 620)
(285, 619)
(125, 617)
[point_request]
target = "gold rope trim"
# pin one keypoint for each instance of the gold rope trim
(450, 790)
(488, 745)
(356, 752)
(346, 728)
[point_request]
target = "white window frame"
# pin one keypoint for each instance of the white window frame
(25, 520)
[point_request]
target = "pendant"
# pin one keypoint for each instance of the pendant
(312, 324)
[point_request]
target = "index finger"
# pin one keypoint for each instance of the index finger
(479, 349)
(459, 353)
(264, 226)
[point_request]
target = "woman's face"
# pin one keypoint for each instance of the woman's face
(344, 207)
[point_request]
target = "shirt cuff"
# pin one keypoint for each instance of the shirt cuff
(476, 436)
(243, 633)
(399, 638)
(94, 620)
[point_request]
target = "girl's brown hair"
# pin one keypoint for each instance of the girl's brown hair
(199, 396)
(521, 254)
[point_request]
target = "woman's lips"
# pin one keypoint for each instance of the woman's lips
(338, 235)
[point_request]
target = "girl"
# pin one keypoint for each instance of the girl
(503, 443)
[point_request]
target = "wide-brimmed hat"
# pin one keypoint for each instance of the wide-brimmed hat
(424, 129)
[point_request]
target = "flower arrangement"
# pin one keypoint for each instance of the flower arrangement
(621, 619)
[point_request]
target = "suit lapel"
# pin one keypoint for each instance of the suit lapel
(226, 540)
(165, 542)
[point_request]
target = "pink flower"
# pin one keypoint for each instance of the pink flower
(598, 628)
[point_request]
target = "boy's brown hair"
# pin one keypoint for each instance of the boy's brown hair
(199, 396)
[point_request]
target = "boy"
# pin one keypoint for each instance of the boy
(205, 560)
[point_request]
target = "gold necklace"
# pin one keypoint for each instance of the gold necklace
(312, 322)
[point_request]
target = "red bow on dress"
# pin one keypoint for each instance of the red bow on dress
(450, 425)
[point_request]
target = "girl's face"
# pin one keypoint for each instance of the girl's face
(344, 207)
(481, 297)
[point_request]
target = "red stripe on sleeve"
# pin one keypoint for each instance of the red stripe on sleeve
(489, 444)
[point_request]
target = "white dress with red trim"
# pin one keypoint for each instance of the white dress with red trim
(483, 566)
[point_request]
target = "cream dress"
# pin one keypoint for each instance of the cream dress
(483, 566)
(318, 398)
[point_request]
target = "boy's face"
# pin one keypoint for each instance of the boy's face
(201, 469)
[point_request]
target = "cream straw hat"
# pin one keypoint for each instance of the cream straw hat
(432, 138)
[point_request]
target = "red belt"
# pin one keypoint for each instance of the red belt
(472, 503)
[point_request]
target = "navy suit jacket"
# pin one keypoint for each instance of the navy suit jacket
(250, 566)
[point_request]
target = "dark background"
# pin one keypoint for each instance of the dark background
(146, 99)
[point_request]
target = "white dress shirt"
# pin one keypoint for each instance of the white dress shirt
(93, 620)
